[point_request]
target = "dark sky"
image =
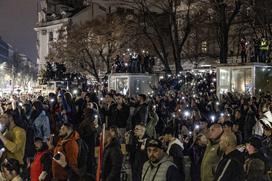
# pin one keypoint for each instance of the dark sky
(17, 20)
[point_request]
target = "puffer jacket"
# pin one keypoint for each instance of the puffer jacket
(210, 160)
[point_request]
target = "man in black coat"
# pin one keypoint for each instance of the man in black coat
(175, 150)
(136, 147)
(230, 166)
(112, 159)
(121, 113)
(140, 114)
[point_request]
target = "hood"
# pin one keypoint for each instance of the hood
(267, 119)
(166, 158)
(176, 141)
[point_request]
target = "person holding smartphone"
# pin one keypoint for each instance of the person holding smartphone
(67, 144)
(40, 169)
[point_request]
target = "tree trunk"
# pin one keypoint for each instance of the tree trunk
(223, 43)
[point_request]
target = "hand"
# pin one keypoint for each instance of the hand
(50, 142)
(119, 107)
(42, 176)
(62, 161)
(127, 137)
(28, 163)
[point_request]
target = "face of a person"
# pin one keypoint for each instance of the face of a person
(139, 130)
(202, 140)
(119, 100)
(214, 132)
(167, 137)
(107, 98)
(237, 115)
(223, 143)
(227, 129)
(154, 154)
(4, 120)
(38, 145)
(235, 128)
(63, 131)
(249, 148)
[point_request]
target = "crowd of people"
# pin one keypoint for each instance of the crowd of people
(55, 137)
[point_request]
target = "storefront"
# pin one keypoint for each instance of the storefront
(132, 84)
(249, 78)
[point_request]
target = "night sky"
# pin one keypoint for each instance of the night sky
(17, 20)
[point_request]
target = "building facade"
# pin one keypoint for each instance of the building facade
(4, 51)
(56, 16)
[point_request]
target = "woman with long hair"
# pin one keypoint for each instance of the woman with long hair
(40, 121)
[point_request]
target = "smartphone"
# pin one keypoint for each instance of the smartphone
(57, 156)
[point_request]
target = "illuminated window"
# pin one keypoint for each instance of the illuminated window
(204, 47)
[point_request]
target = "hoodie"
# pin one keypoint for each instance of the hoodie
(175, 150)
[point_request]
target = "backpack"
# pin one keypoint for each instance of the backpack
(82, 158)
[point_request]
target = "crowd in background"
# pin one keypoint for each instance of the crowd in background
(54, 137)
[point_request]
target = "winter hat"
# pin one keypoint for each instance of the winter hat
(154, 143)
(255, 141)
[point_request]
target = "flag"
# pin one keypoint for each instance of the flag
(100, 156)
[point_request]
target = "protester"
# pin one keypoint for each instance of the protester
(175, 150)
(10, 170)
(255, 164)
(230, 166)
(212, 154)
(40, 169)
(140, 113)
(112, 159)
(136, 147)
(67, 144)
(14, 138)
(159, 166)
(40, 121)
(196, 153)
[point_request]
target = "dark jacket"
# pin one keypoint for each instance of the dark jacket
(239, 137)
(112, 162)
(137, 156)
(140, 114)
(267, 151)
(250, 121)
(175, 150)
(120, 117)
(230, 167)
(196, 154)
(255, 167)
